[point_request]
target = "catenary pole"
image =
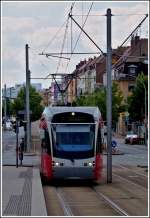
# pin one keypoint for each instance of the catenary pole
(109, 97)
(5, 106)
(27, 98)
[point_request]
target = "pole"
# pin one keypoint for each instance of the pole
(17, 142)
(109, 98)
(27, 97)
(145, 111)
(10, 92)
(5, 106)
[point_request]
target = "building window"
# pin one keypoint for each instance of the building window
(131, 87)
(132, 69)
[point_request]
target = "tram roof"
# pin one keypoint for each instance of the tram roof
(50, 111)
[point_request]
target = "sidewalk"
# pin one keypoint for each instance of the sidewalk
(22, 193)
(29, 159)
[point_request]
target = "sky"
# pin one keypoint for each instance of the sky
(36, 24)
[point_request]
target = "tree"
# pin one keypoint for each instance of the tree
(35, 103)
(8, 107)
(136, 102)
(98, 98)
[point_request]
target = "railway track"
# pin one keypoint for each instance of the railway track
(131, 170)
(77, 198)
(65, 206)
(132, 177)
(72, 206)
(112, 204)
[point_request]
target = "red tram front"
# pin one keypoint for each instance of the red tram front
(71, 143)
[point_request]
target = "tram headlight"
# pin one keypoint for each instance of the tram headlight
(90, 164)
(57, 164)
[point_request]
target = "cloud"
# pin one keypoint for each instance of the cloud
(122, 25)
(36, 23)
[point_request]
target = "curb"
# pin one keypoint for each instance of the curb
(37, 196)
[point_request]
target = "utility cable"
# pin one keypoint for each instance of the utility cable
(79, 36)
(42, 64)
(64, 39)
(54, 37)
(63, 43)
(138, 26)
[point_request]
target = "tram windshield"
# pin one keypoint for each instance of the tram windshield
(73, 141)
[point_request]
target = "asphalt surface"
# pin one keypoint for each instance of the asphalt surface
(131, 154)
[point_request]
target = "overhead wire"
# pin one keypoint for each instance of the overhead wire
(79, 35)
(64, 39)
(128, 37)
(102, 15)
(63, 43)
(36, 55)
(54, 37)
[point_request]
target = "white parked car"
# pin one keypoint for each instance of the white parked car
(131, 138)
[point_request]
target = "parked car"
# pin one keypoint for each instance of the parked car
(131, 138)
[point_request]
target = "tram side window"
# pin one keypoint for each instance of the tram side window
(46, 142)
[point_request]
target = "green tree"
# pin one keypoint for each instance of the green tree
(98, 98)
(35, 103)
(136, 102)
(8, 107)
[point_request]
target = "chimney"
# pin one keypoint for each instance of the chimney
(137, 39)
(134, 40)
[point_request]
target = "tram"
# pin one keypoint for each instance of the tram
(71, 143)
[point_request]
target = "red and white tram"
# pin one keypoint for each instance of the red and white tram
(71, 143)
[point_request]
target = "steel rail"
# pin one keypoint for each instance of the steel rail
(139, 174)
(111, 203)
(131, 182)
(67, 210)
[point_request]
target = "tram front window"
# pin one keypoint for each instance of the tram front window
(74, 142)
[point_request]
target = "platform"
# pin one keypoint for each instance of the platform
(22, 193)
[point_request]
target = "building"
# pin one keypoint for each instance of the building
(12, 92)
(46, 96)
(127, 63)
(131, 64)
(133, 61)
(56, 95)
(88, 76)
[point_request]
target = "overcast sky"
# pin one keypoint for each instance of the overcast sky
(36, 23)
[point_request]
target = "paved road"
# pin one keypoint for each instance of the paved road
(8, 139)
(9, 149)
(132, 154)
